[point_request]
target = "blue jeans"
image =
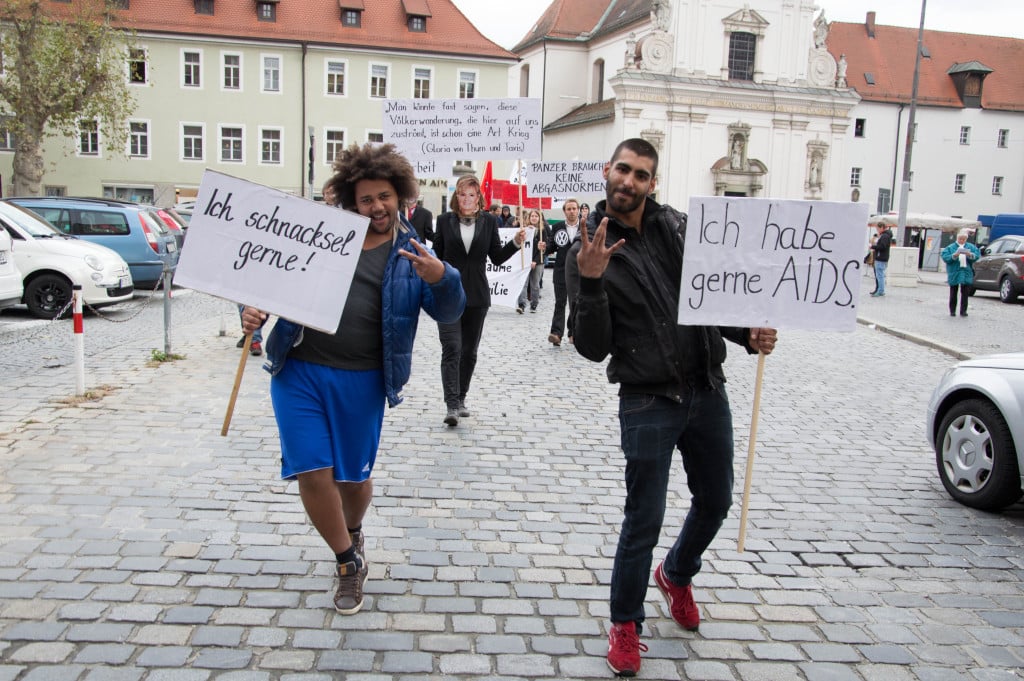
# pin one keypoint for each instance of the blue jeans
(880, 267)
(652, 428)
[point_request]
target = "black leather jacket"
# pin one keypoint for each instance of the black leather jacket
(630, 312)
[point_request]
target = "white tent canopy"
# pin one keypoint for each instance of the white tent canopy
(926, 221)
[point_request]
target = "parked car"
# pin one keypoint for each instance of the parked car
(51, 263)
(11, 288)
(1001, 268)
(174, 223)
(184, 210)
(133, 230)
(975, 424)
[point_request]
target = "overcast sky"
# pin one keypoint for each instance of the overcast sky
(507, 22)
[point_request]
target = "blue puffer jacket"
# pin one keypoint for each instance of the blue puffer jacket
(403, 294)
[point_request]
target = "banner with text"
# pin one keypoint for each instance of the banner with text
(262, 247)
(430, 132)
(507, 279)
(565, 179)
(772, 263)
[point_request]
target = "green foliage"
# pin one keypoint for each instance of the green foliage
(161, 356)
(61, 64)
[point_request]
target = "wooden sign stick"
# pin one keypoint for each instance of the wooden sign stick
(752, 441)
(238, 382)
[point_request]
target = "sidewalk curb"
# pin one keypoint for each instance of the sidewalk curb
(914, 338)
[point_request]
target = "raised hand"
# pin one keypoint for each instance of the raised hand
(428, 267)
(594, 254)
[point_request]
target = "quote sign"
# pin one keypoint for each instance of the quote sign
(565, 179)
(507, 279)
(772, 263)
(431, 131)
(268, 249)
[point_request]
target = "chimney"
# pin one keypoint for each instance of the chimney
(869, 24)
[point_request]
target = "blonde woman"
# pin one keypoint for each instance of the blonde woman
(531, 289)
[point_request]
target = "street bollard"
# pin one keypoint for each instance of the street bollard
(167, 312)
(79, 341)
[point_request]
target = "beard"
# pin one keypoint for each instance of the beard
(620, 200)
(379, 228)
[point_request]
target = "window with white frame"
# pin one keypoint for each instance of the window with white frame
(965, 134)
(231, 142)
(379, 80)
(334, 143)
(855, 177)
(467, 84)
(997, 185)
(375, 137)
(270, 146)
(6, 136)
(191, 68)
(89, 138)
(960, 183)
(137, 66)
(417, 24)
(1003, 138)
(138, 139)
(421, 82)
(271, 73)
(232, 71)
(192, 142)
(335, 77)
(352, 18)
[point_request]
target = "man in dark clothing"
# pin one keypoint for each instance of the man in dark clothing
(881, 248)
(671, 394)
(422, 221)
(557, 246)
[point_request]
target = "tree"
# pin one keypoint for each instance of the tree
(60, 65)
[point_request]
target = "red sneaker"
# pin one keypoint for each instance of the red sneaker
(680, 600)
(256, 349)
(624, 649)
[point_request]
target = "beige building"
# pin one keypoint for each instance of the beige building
(237, 86)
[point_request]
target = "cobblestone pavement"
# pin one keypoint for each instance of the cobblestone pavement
(138, 543)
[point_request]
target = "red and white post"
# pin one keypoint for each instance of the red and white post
(79, 342)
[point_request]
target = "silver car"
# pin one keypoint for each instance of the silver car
(975, 425)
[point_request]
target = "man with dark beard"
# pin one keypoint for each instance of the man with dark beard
(329, 391)
(671, 394)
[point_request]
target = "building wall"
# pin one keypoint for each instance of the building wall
(165, 104)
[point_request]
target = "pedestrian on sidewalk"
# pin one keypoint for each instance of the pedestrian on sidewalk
(959, 257)
(531, 287)
(466, 238)
(883, 242)
(328, 390)
(671, 395)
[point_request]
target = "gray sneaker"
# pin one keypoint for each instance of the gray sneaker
(348, 597)
(452, 417)
(463, 411)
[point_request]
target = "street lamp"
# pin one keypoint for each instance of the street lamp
(901, 221)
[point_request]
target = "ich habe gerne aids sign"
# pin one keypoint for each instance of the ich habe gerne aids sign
(275, 251)
(773, 263)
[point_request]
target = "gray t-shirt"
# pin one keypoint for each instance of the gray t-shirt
(358, 344)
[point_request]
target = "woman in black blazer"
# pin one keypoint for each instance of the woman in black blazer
(465, 238)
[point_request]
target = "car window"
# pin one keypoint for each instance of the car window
(97, 222)
(58, 217)
(27, 220)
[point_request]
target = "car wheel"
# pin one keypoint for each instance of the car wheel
(975, 456)
(46, 295)
(1006, 293)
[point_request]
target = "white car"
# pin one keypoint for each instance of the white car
(51, 263)
(10, 277)
(975, 424)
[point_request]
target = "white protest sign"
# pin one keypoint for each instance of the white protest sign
(262, 247)
(772, 263)
(507, 279)
(565, 179)
(430, 131)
